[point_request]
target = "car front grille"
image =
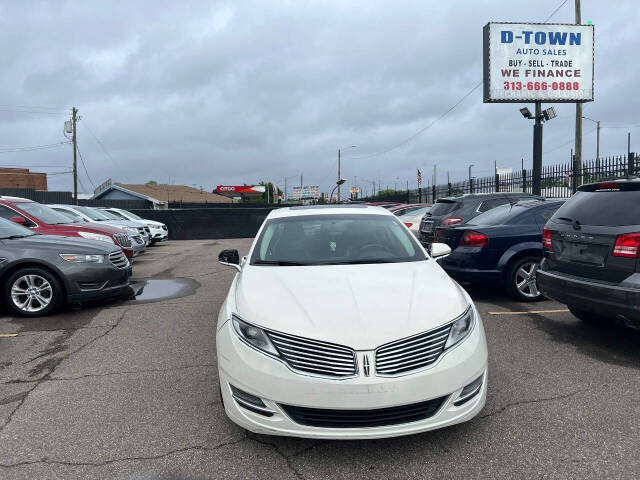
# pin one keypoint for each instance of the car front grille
(380, 417)
(411, 353)
(119, 259)
(315, 357)
(122, 239)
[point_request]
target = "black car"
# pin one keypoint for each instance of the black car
(39, 273)
(591, 253)
(451, 211)
(502, 246)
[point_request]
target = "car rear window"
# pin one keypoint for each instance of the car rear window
(444, 207)
(604, 208)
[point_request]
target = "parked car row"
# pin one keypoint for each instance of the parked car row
(40, 271)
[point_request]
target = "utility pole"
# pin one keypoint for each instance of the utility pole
(577, 159)
(434, 174)
(74, 116)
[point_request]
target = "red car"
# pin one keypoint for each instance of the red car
(46, 221)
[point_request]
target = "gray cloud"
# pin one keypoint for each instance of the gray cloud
(233, 92)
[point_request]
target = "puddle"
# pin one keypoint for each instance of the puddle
(158, 289)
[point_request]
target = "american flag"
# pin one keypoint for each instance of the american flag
(419, 177)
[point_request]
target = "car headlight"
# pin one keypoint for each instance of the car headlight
(131, 230)
(254, 336)
(96, 236)
(151, 226)
(461, 328)
(81, 258)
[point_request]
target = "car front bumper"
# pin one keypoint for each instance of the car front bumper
(591, 296)
(274, 383)
(92, 282)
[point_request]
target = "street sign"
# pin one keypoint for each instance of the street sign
(306, 193)
(547, 62)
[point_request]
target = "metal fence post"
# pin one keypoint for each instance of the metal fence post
(433, 188)
(471, 185)
(449, 189)
(497, 182)
(574, 176)
(631, 162)
(524, 181)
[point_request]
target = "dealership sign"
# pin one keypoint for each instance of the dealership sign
(528, 62)
(306, 193)
(234, 190)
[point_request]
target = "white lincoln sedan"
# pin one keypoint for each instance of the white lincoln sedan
(339, 325)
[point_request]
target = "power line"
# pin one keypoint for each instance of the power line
(567, 143)
(85, 167)
(32, 107)
(432, 123)
(621, 126)
(102, 147)
(33, 111)
(32, 147)
(555, 11)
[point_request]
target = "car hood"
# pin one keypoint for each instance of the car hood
(88, 227)
(360, 306)
(61, 244)
(152, 222)
(122, 223)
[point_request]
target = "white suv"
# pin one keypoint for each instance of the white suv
(159, 231)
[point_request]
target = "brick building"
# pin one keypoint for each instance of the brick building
(22, 178)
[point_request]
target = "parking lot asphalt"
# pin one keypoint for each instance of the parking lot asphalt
(128, 389)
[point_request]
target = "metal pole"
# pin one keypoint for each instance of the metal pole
(537, 152)
(74, 113)
(598, 148)
(578, 139)
(338, 174)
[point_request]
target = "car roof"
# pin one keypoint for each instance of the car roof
(15, 199)
(477, 196)
(329, 210)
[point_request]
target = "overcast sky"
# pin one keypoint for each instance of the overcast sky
(206, 93)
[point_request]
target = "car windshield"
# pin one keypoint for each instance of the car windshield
(93, 214)
(602, 208)
(115, 213)
(134, 216)
(110, 215)
(497, 216)
(418, 212)
(334, 240)
(43, 213)
(8, 229)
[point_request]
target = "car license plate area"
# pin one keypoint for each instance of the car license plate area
(587, 253)
(427, 226)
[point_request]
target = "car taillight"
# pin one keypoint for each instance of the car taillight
(408, 224)
(546, 238)
(474, 239)
(451, 221)
(627, 245)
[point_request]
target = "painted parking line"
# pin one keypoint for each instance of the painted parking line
(564, 310)
(8, 335)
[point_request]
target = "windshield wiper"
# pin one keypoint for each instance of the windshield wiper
(363, 261)
(280, 263)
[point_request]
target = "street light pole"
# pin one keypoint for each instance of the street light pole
(537, 151)
(339, 177)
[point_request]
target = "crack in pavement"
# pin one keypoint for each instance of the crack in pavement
(48, 461)
(124, 372)
(525, 402)
(287, 458)
(52, 365)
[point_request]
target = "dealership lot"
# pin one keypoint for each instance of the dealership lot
(128, 389)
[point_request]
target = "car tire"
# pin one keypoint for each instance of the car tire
(590, 318)
(33, 292)
(521, 279)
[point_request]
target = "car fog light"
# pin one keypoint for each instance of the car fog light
(250, 402)
(469, 391)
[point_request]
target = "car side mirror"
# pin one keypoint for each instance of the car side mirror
(440, 250)
(19, 220)
(230, 258)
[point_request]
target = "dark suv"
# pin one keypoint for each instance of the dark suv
(451, 211)
(591, 247)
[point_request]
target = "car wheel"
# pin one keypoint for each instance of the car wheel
(590, 318)
(33, 292)
(522, 281)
